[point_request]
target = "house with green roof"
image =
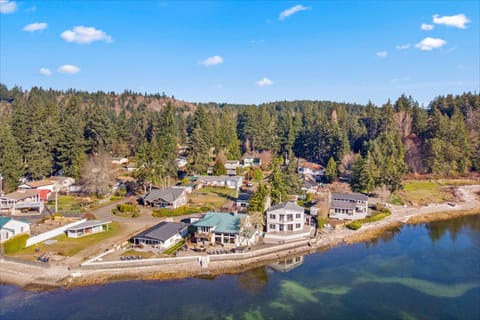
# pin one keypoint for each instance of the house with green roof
(224, 228)
(10, 227)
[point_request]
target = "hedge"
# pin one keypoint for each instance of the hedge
(355, 225)
(16, 243)
(164, 212)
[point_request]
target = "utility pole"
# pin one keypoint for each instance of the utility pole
(1, 184)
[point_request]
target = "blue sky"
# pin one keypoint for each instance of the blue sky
(245, 51)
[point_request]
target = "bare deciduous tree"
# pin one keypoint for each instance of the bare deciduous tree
(97, 177)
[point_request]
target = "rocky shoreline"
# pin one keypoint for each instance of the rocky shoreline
(32, 277)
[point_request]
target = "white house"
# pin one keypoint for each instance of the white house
(87, 228)
(171, 198)
(21, 199)
(62, 183)
(351, 206)
(119, 160)
(162, 235)
(10, 227)
(39, 185)
(286, 222)
(231, 167)
(249, 161)
(310, 168)
(233, 182)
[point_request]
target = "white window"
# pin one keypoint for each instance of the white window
(272, 227)
(272, 216)
(290, 227)
(298, 215)
(298, 226)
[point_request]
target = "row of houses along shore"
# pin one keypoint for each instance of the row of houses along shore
(233, 230)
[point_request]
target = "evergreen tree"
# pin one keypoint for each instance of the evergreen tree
(278, 188)
(219, 167)
(11, 162)
(257, 201)
(331, 171)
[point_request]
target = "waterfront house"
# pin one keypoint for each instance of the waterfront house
(348, 206)
(224, 228)
(87, 228)
(232, 182)
(286, 222)
(162, 235)
(10, 227)
(171, 198)
(21, 199)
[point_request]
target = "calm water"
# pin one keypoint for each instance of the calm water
(417, 272)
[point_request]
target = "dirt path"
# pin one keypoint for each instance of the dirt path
(12, 272)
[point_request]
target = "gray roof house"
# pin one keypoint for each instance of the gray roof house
(232, 182)
(171, 198)
(348, 206)
(162, 235)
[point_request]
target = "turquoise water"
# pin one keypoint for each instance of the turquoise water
(416, 272)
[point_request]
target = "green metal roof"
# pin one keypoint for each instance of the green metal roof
(224, 222)
(4, 220)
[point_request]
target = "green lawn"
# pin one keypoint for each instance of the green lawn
(395, 199)
(425, 192)
(68, 203)
(213, 197)
(175, 247)
(70, 246)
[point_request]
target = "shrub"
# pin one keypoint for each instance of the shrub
(164, 212)
(321, 222)
(90, 216)
(126, 210)
(379, 206)
(15, 244)
(377, 215)
(355, 225)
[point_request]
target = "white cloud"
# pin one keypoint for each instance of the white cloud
(288, 12)
(212, 61)
(403, 46)
(81, 34)
(35, 26)
(382, 54)
(457, 21)
(45, 72)
(68, 68)
(400, 79)
(265, 82)
(428, 44)
(7, 6)
(427, 27)
(257, 41)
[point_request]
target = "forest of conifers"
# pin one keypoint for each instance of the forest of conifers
(48, 132)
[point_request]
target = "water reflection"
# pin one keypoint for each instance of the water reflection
(438, 229)
(384, 237)
(287, 264)
(253, 281)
